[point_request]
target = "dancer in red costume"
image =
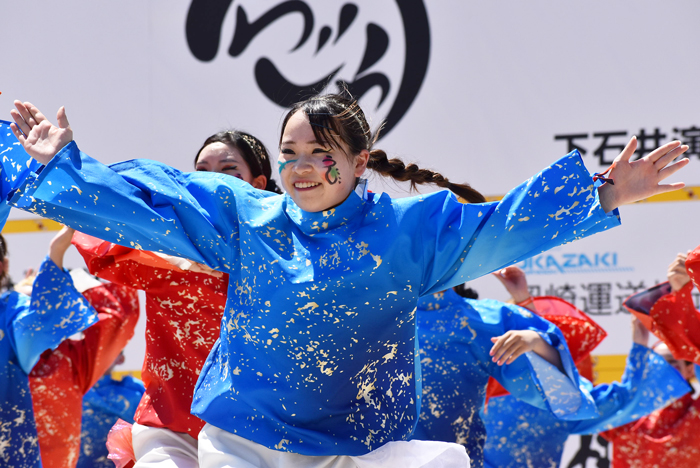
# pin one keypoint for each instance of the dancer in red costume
(62, 376)
(184, 305)
(668, 437)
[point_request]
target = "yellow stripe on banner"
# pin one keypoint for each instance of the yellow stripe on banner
(684, 194)
(119, 375)
(16, 226)
(609, 368)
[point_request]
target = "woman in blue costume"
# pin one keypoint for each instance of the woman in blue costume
(317, 349)
(29, 325)
(518, 433)
(460, 340)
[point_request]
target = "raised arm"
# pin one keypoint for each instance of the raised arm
(55, 311)
(140, 204)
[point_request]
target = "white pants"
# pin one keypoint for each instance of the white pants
(163, 448)
(222, 449)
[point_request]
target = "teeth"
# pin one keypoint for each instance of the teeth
(306, 184)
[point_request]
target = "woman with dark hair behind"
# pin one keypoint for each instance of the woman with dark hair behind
(184, 305)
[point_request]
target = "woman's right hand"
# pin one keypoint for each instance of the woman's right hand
(677, 274)
(40, 138)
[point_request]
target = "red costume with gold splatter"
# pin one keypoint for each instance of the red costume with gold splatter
(61, 377)
(183, 311)
(668, 437)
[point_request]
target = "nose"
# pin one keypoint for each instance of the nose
(303, 164)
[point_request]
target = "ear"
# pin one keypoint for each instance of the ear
(361, 162)
(260, 182)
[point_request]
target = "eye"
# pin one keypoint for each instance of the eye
(286, 151)
(201, 169)
(320, 150)
(229, 168)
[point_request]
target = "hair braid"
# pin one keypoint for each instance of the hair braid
(396, 169)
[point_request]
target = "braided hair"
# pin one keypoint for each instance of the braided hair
(253, 151)
(335, 118)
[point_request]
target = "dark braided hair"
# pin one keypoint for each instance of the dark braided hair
(335, 118)
(253, 151)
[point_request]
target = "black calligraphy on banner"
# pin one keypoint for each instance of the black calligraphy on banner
(205, 22)
(588, 452)
(606, 145)
(597, 298)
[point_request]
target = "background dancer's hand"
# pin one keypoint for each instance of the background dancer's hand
(59, 244)
(677, 274)
(514, 343)
(40, 138)
(637, 180)
(515, 281)
(640, 334)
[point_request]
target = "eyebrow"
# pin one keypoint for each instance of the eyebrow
(310, 142)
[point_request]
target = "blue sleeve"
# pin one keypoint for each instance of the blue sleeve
(531, 378)
(55, 311)
(15, 167)
(142, 204)
(460, 242)
(649, 383)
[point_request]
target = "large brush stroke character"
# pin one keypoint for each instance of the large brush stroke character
(205, 21)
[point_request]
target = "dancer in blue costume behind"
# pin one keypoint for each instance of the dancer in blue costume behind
(316, 356)
(460, 341)
(29, 325)
(519, 434)
(106, 402)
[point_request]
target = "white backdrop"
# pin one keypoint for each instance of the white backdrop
(503, 80)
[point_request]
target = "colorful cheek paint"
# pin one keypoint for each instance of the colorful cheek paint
(332, 173)
(282, 165)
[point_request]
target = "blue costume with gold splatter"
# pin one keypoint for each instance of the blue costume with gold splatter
(317, 353)
(455, 334)
(28, 327)
(519, 433)
(106, 402)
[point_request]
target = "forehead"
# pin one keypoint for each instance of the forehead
(219, 151)
(298, 130)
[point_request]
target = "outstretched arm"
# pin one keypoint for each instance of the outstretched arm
(637, 180)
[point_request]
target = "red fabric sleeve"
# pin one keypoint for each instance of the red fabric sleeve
(118, 311)
(677, 323)
(119, 264)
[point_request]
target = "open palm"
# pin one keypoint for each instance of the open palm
(40, 138)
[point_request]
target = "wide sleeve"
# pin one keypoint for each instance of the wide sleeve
(118, 311)
(648, 383)
(677, 323)
(55, 311)
(459, 242)
(138, 269)
(142, 204)
(15, 166)
(531, 378)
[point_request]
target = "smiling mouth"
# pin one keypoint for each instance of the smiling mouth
(305, 185)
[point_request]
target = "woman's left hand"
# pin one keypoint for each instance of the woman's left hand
(637, 180)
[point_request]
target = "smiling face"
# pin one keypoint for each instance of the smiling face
(317, 175)
(226, 159)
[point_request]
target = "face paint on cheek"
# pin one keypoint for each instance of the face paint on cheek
(281, 165)
(332, 173)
